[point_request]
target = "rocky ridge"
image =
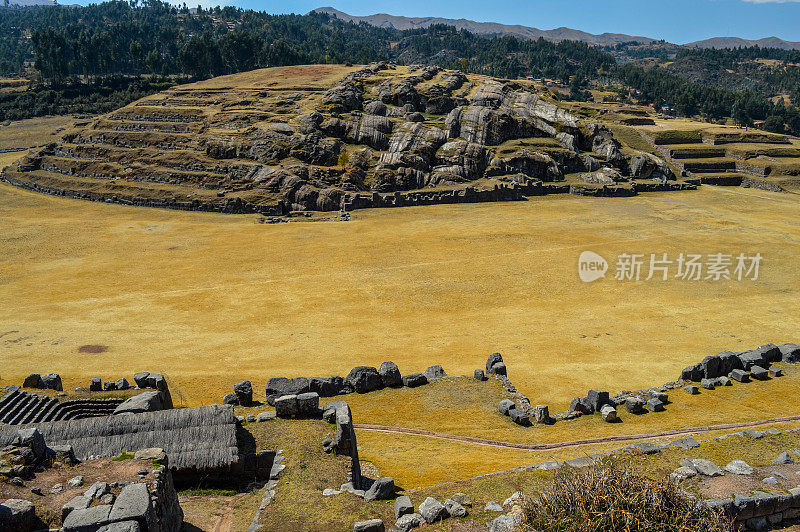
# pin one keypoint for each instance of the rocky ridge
(380, 129)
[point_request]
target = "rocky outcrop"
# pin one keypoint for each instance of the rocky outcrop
(311, 151)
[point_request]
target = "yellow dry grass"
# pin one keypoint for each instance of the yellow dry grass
(210, 299)
(34, 132)
(277, 78)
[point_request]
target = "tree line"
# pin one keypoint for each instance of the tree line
(86, 45)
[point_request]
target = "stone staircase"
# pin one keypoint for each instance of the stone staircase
(19, 407)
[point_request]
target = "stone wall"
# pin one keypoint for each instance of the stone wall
(230, 206)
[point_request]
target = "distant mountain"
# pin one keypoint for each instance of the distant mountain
(736, 42)
(383, 20)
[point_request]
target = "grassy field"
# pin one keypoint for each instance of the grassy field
(34, 132)
(209, 300)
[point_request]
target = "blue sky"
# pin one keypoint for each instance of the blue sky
(677, 21)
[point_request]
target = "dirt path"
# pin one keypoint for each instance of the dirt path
(575, 443)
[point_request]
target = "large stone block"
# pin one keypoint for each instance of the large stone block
(364, 379)
(403, 506)
(88, 520)
(381, 489)
(34, 380)
(286, 407)
(414, 380)
(435, 372)
(390, 375)
(278, 386)
(17, 515)
(373, 525)
(244, 392)
(597, 399)
(132, 504)
(308, 404)
(432, 510)
(52, 381)
(505, 405)
(144, 402)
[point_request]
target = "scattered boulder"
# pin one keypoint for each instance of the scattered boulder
(739, 467)
(96, 385)
(597, 399)
(373, 525)
(682, 473)
(97, 490)
(479, 375)
(34, 380)
(432, 510)
(390, 375)
(505, 405)
(381, 489)
(708, 384)
(278, 386)
(144, 402)
(783, 458)
(132, 504)
(541, 415)
(414, 380)
(722, 381)
(265, 416)
(505, 523)
(519, 417)
(52, 381)
(706, 467)
(739, 375)
(775, 372)
(686, 443)
(454, 508)
(18, 515)
(435, 372)
(364, 379)
(330, 387)
(308, 404)
(408, 522)
(286, 407)
(654, 405)
(580, 405)
(692, 389)
(244, 392)
(609, 414)
(790, 353)
(230, 399)
(635, 405)
(492, 506)
(495, 365)
(122, 384)
(75, 482)
(759, 373)
(656, 394)
(403, 506)
(80, 502)
(151, 453)
(32, 439)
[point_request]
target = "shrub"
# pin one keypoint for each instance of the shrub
(607, 498)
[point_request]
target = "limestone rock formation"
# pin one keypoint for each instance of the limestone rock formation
(278, 145)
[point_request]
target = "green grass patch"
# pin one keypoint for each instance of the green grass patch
(122, 457)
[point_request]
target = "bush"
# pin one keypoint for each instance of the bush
(607, 498)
